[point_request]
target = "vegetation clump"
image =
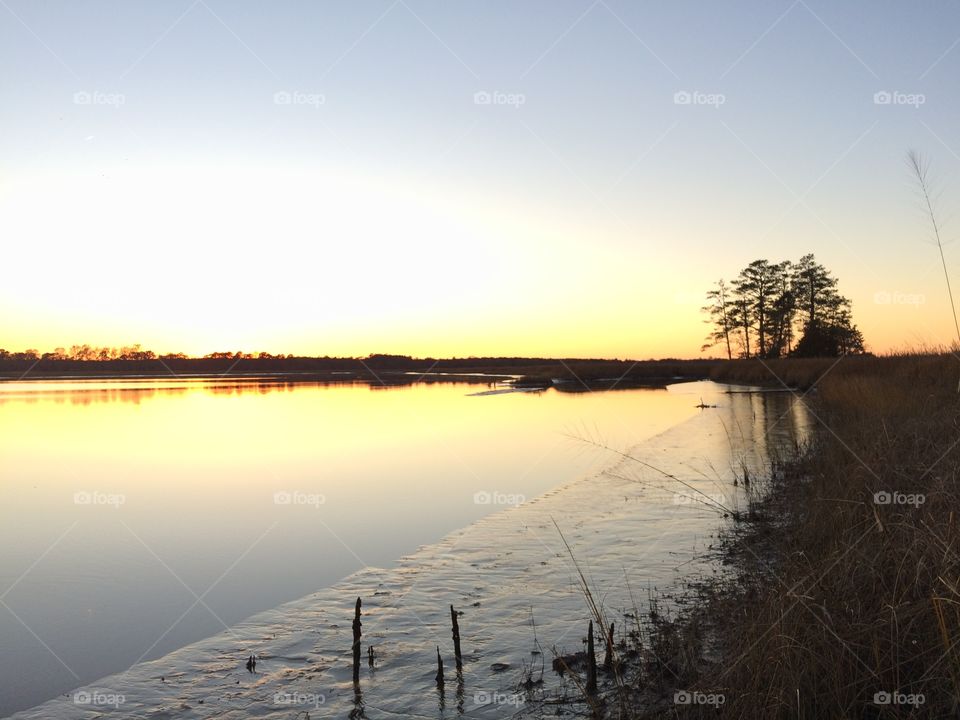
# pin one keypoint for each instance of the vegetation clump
(773, 310)
(843, 598)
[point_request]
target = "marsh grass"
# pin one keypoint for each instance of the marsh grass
(919, 168)
(837, 603)
(841, 599)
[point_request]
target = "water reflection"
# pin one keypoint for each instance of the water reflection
(764, 427)
(80, 392)
(198, 471)
(359, 710)
(86, 393)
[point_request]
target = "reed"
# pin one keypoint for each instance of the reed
(846, 596)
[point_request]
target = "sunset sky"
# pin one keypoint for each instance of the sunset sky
(454, 178)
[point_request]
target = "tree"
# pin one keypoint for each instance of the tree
(816, 289)
(829, 339)
(782, 311)
(82, 352)
(769, 304)
(825, 315)
(721, 315)
(764, 288)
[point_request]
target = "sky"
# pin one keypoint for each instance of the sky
(562, 178)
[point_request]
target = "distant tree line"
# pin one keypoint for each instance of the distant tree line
(773, 310)
(91, 353)
(379, 369)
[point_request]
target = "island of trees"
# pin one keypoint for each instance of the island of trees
(773, 310)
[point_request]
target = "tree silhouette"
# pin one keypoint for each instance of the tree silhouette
(775, 302)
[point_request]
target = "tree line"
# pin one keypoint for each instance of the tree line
(773, 310)
(92, 353)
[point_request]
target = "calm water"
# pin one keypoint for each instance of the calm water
(140, 516)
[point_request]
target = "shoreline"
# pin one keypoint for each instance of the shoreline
(573, 375)
(384, 379)
(812, 514)
(842, 596)
(324, 609)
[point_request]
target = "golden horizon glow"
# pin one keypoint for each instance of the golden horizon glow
(203, 259)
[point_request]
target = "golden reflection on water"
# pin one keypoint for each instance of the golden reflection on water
(135, 494)
(200, 435)
(199, 466)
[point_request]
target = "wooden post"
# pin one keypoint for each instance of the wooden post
(591, 663)
(456, 637)
(356, 642)
(608, 655)
(439, 668)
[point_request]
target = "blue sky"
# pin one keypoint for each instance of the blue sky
(583, 211)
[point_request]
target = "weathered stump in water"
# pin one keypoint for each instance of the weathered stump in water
(439, 668)
(608, 655)
(456, 637)
(356, 642)
(591, 663)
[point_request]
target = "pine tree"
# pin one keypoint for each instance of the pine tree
(721, 313)
(769, 304)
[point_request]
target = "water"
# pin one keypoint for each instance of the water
(139, 516)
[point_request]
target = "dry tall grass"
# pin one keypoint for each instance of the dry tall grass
(847, 601)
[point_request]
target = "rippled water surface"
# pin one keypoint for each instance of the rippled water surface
(137, 517)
